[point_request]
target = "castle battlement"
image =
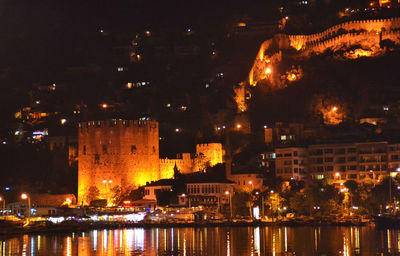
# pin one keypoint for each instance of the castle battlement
(364, 33)
(86, 127)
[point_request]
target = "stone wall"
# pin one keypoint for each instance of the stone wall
(117, 153)
(184, 165)
(367, 34)
(211, 151)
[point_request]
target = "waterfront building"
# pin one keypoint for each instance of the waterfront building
(207, 193)
(290, 163)
(151, 189)
(340, 162)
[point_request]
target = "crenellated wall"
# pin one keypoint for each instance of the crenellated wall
(367, 34)
(380, 25)
(211, 151)
(184, 164)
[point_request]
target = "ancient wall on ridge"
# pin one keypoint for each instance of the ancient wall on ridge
(367, 34)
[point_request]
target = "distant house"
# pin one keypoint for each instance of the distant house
(208, 193)
(151, 190)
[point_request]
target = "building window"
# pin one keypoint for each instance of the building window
(340, 151)
(352, 176)
(352, 159)
(295, 161)
(133, 149)
(84, 149)
(104, 149)
(341, 160)
(96, 158)
(351, 150)
(295, 153)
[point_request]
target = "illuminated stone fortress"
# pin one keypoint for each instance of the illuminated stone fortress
(125, 154)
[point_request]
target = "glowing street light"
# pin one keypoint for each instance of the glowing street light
(268, 71)
(25, 196)
(334, 109)
(4, 205)
(230, 202)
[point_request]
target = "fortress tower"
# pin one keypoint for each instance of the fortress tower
(116, 153)
(212, 152)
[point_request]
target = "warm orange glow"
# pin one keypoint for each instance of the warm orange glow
(24, 196)
(358, 53)
(268, 71)
(241, 24)
(291, 77)
(104, 106)
(382, 2)
(238, 126)
(337, 174)
(332, 115)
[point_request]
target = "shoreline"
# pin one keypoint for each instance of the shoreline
(68, 227)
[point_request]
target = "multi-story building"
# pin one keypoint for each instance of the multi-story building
(210, 194)
(393, 157)
(353, 161)
(290, 163)
(247, 180)
(341, 162)
(333, 161)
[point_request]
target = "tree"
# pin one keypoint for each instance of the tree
(241, 202)
(275, 203)
(93, 193)
(119, 195)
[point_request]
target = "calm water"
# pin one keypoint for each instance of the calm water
(211, 241)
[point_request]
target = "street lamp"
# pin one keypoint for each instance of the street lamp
(4, 204)
(25, 196)
(230, 202)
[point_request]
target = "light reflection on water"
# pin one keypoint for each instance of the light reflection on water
(210, 241)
